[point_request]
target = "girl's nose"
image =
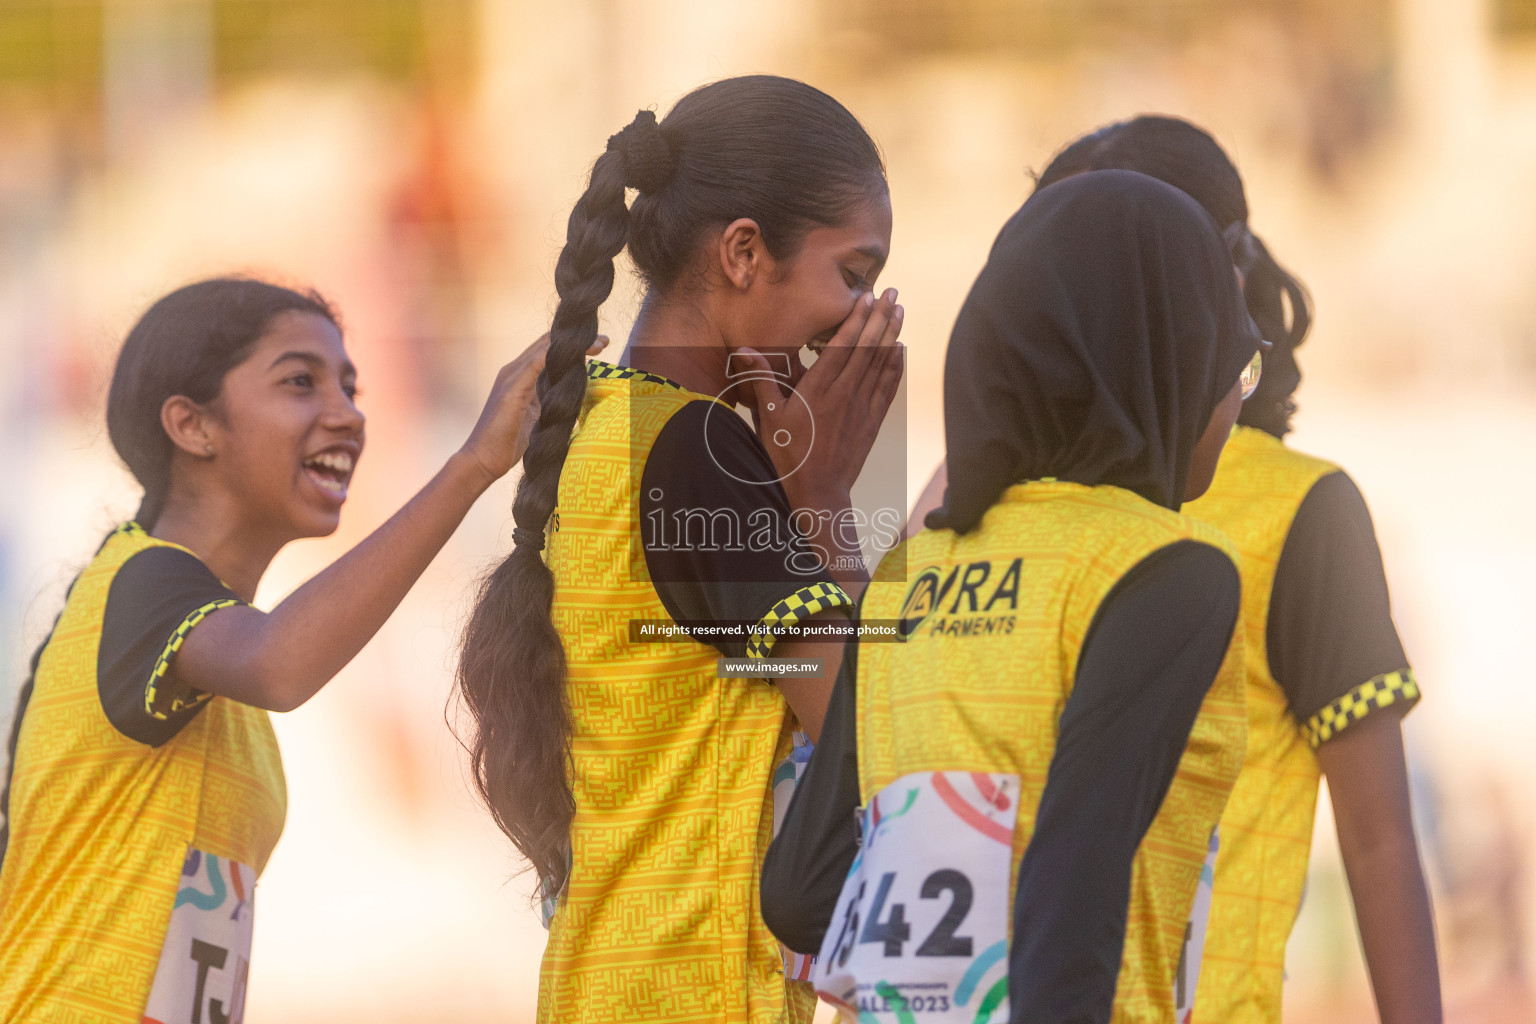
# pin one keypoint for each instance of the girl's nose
(342, 413)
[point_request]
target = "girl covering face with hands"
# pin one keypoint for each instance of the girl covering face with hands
(633, 773)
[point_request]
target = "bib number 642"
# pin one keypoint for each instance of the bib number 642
(921, 927)
(894, 932)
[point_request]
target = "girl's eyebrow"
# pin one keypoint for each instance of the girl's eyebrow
(875, 253)
(318, 362)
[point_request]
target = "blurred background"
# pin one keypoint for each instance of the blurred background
(415, 160)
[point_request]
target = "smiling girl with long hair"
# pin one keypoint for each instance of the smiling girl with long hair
(145, 791)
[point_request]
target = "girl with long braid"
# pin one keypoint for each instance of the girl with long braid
(144, 790)
(635, 775)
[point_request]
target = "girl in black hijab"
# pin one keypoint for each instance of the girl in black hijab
(1068, 637)
(1076, 358)
(1328, 679)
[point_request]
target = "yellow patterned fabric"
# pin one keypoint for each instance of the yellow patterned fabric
(671, 765)
(100, 824)
(1026, 586)
(1266, 833)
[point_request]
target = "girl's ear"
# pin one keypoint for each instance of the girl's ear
(742, 254)
(186, 423)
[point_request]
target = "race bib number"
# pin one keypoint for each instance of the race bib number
(1187, 978)
(206, 959)
(797, 966)
(920, 933)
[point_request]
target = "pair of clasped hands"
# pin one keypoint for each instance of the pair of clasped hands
(818, 446)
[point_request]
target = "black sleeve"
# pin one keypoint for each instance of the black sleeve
(717, 529)
(805, 868)
(1150, 657)
(1332, 645)
(155, 599)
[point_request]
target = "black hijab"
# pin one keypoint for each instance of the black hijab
(1101, 334)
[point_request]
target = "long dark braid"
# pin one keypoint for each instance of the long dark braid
(772, 149)
(523, 721)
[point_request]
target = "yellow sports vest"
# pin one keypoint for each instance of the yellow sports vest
(1266, 832)
(982, 681)
(671, 765)
(101, 824)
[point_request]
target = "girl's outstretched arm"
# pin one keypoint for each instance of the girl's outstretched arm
(277, 660)
(1368, 782)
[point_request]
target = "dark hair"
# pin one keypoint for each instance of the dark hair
(183, 345)
(1188, 158)
(771, 149)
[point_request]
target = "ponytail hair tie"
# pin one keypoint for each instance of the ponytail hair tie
(522, 538)
(650, 161)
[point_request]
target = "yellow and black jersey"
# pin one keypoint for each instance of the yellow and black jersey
(718, 534)
(669, 509)
(1322, 655)
(1082, 639)
(121, 781)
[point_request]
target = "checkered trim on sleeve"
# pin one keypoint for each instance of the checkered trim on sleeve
(611, 371)
(1393, 688)
(193, 698)
(800, 605)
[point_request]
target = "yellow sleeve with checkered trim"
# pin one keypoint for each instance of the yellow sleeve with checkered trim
(1393, 688)
(797, 607)
(159, 704)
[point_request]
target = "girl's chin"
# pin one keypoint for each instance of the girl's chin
(315, 532)
(313, 522)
